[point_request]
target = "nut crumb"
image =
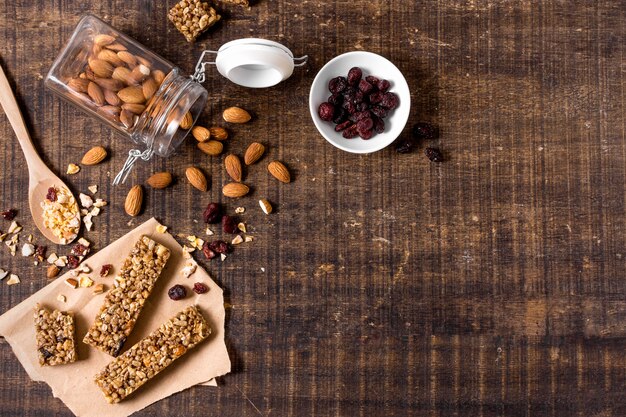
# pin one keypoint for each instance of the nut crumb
(188, 270)
(237, 240)
(13, 279)
(161, 228)
(249, 238)
(72, 169)
(242, 227)
(71, 282)
(28, 249)
(240, 210)
(209, 232)
(222, 256)
(98, 289)
(85, 200)
(93, 189)
(85, 282)
(61, 298)
(3, 274)
(14, 228)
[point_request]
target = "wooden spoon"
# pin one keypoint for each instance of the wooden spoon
(41, 178)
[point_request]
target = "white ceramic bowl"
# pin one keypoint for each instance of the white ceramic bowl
(371, 64)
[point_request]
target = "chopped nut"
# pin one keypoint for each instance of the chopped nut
(71, 282)
(3, 236)
(85, 200)
(240, 210)
(186, 251)
(13, 279)
(52, 258)
(249, 238)
(99, 203)
(84, 242)
(3, 274)
(222, 256)
(242, 227)
(237, 240)
(93, 189)
(98, 289)
(161, 228)
(30, 238)
(209, 232)
(188, 270)
(15, 227)
(52, 271)
(61, 214)
(85, 282)
(265, 206)
(72, 169)
(61, 298)
(94, 211)
(28, 249)
(61, 261)
(87, 221)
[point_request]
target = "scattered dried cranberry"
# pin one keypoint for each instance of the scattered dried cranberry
(73, 261)
(9, 214)
(208, 253)
(212, 213)
(200, 288)
(80, 250)
(52, 194)
(434, 154)
(177, 292)
(105, 269)
(229, 224)
(326, 111)
(219, 246)
(354, 75)
(425, 130)
(404, 145)
(337, 84)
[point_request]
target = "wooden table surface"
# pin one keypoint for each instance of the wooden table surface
(492, 284)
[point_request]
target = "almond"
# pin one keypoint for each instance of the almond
(122, 74)
(94, 156)
(110, 111)
(187, 121)
(211, 147)
(235, 190)
(127, 118)
(134, 108)
(133, 95)
(102, 39)
(196, 178)
(159, 76)
(236, 115)
(233, 167)
(134, 199)
(78, 84)
(112, 98)
(116, 47)
(253, 153)
(138, 74)
(149, 87)
(279, 171)
(111, 57)
(218, 133)
(202, 134)
(109, 83)
(160, 180)
(52, 271)
(96, 94)
(127, 58)
(101, 68)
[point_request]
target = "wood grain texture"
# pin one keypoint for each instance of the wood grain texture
(489, 285)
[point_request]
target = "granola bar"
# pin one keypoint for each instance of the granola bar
(122, 305)
(55, 337)
(192, 17)
(244, 3)
(124, 375)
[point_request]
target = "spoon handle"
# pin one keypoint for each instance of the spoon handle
(11, 109)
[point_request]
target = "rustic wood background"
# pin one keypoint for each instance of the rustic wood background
(493, 284)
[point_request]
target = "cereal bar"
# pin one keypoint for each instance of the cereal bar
(122, 304)
(192, 17)
(55, 337)
(151, 355)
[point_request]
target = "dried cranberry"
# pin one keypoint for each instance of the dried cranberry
(375, 97)
(354, 75)
(350, 132)
(335, 99)
(359, 97)
(337, 84)
(350, 107)
(326, 111)
(425, 130)
(40, 252)
(343, 126)
(9, 214)
(372, 80)
(365, 87)
(80, 250)
(380, 111)
(404, 145)
(365, 124)
(200, 288)
(434, 154)
(212, 213)
(229, 224)
(383, 85)
(365, 134)
(379, 124)
(52, 194)
(177, 292)
(73, 261)
(208, 252)
(360, 115)
(390, 101)
(105, 269)
(362, 106)
(219, 246)
(340, 115)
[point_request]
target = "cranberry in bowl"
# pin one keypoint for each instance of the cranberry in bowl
(360, 102)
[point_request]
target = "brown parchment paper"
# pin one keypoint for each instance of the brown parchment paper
(73, 383)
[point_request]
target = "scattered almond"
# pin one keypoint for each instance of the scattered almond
(160, 180)
(196, 178)
(72, 169)
(233, 167)
(94, 156)
(253, 153)
(211, 147)
(134, 199)
(218, 133)
(265, 206)
(236, 115)
(52, 271)
(279, 171)
(202, 134)
(187, 121)
(235, 190)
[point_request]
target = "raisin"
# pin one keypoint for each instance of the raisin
(423, 130)
(365, 87)
(350, 132)
(380, 111)
(177, 292)
(326, 111)
(208, 252)
(200, 288)
(336, 99)
(354, 75)
(343, 126)
(9, 214)
(104, 271)
(212, 213)
(229, 224)
(119, 347)
(219, 246)
(375, 97)
(372, 80)
(365, 124)
(390, 101)
(365, 134)
(80, 250)
(383, 85)
(337, 84)
(340, 115)
(52, 194)
(45, 353)
(434, 154)
(405, 145)
(379, 124)
(73, 261)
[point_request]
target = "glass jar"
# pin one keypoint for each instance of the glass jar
(130, 88)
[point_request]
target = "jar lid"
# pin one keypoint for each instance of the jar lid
(253, 62)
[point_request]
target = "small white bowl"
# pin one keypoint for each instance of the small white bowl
(371, 64)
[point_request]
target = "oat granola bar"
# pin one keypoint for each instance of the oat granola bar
(244, 3)
(192, 17)
(122, 305)
(55, 337)
(151, 355)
